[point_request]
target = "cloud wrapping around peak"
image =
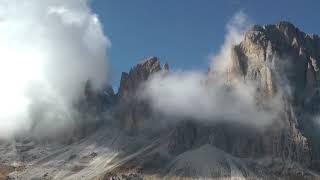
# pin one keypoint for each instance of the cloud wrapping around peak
(48, 49)
(212, 98)
(192, 95)
(236, 27)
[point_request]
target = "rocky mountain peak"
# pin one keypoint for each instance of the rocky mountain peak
(149, 62)
(139, 73)
(281, 58)
(132, 110)
(283, 34)
(270, 54)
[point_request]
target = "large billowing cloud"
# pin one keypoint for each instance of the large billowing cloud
(48, 49)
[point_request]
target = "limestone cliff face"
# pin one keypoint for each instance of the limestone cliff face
(280, 59)
(277, 54)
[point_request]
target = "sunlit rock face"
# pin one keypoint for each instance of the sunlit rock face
(282, 58)
(279, 55)
(282, 61)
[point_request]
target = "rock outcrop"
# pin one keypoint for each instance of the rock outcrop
(183, 137)
(277, 55)
(91, 108)
(132, 110)
(138, 74)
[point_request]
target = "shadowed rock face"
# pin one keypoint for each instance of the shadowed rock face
(91, 108)
(132, 111)
(183, 137)
(138, 74)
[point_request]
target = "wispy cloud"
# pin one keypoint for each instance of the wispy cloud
(196, 95)
(235, 32)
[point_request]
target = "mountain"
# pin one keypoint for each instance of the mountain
(282, 58)
(127, 139)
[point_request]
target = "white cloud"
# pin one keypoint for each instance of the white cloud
(235, 33)
(51, 47)
(193, 95)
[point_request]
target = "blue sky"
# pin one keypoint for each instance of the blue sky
(185, 32)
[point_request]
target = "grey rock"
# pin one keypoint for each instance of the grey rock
(134, 112)
(183, 137)
(138, 74)
(272, 54)
(276, 57)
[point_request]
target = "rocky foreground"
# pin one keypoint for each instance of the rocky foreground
(127, 139)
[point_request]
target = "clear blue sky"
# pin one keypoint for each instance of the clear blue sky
(184, 32)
